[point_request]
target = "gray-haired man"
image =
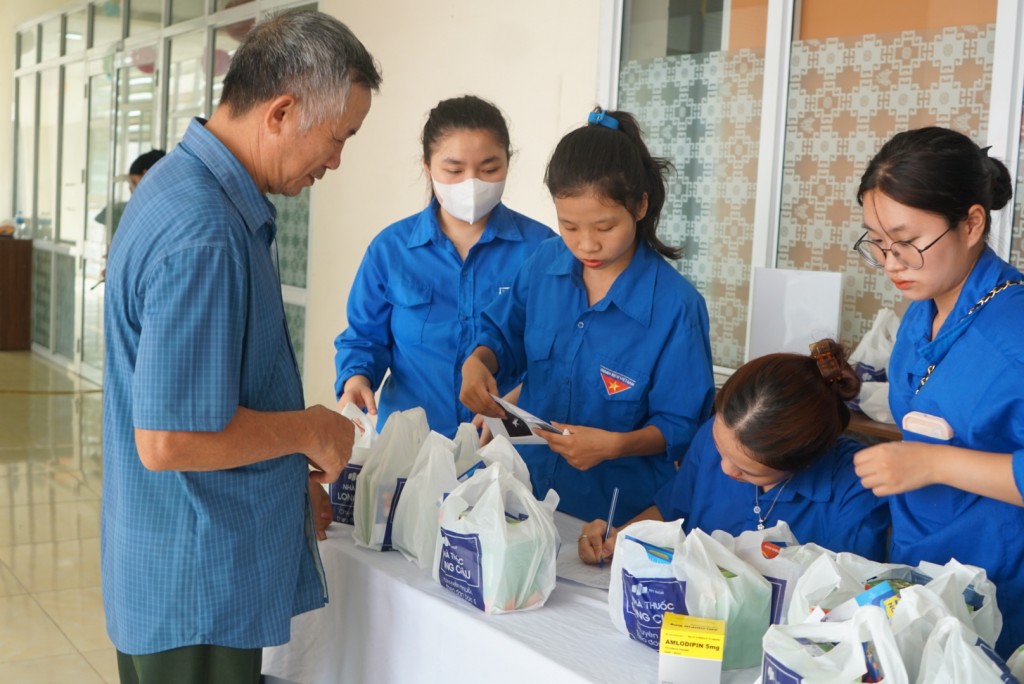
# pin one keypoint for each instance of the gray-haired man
(208, 542)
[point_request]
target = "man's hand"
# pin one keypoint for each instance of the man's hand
(332, 436)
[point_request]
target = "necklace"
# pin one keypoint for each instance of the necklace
(757, 506)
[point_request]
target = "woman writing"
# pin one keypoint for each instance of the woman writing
(415, 305)
(773, 451)
(613, 340)
(956, 375)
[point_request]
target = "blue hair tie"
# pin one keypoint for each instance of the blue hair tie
(602, 118)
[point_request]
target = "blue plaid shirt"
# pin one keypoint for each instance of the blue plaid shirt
(195, 328)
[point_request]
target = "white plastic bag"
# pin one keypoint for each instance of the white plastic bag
(870, 360)
(498, 450)
(467, 441)
(967, 587)
(383, 475)
(415, 528)
(954, 653)
(343, 491)
(861, 649)
(875, 347)
(723, 587)
(645, 581)
(823, 586)
(778, 556)
(913, 621)
(497, 544)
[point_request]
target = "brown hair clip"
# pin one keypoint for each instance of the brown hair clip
(828, 364)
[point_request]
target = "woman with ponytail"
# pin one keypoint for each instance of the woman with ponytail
(774, 451)
(613, 341)
(956, 375)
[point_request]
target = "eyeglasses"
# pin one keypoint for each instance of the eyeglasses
(908, 255)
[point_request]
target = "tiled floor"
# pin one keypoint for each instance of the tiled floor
(51, 614)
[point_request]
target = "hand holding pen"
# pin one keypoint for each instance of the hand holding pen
(596, 535)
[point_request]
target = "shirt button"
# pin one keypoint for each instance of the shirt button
(463, 317)
(580, 325)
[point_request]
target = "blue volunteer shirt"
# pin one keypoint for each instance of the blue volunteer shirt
(640, 356)
(977, 387)
(824, 504)
(195, 328)
(415, 309)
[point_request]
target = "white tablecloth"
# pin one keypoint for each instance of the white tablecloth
(388, 621)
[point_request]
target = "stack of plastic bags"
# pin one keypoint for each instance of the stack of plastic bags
(852, 619)
(656, 568)
(818, 616)
(469, 513)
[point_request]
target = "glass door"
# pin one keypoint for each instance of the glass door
(100, 214)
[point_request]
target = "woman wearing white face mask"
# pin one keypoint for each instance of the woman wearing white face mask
(416, 300)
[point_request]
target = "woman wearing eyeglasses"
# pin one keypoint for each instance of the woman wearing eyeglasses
(957, 369)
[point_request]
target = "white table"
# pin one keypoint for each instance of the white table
(388, 621)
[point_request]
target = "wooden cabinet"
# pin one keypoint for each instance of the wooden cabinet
(15, 294)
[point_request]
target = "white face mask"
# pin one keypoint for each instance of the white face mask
(470, 200)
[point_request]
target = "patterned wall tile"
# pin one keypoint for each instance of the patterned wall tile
(292, 236)
(1017, 235)
(703, 112)
(42, 273)
(847, 97)
(64, 301)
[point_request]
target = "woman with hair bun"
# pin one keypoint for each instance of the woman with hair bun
(956, 375)
(773, 451)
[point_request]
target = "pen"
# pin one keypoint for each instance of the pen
(608, 526)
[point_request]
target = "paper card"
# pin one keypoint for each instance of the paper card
(791, 309)
(518, 424)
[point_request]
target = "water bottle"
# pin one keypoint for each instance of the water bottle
(20, 229)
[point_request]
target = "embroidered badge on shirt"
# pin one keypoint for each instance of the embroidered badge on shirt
(615, 382)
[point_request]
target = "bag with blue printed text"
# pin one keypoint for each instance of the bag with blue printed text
(497, 544)
(861, 649)
(343, 491)
(383, 476)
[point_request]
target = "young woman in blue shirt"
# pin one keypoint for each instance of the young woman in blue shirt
(956, 374)
(613, 341)
(415, 305)
(773, 451)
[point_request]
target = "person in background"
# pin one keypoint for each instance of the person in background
(773, 451)
(210, 456)
(613, 341)
(415, 305)
(136, 171)
(956, 374)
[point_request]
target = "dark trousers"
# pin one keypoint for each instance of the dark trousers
(193, 665)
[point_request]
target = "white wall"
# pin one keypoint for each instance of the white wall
(536, 59)
(11, 15)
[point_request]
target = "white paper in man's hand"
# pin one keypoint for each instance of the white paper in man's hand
(518, 424)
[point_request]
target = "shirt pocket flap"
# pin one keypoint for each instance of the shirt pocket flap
(409, 293)
(539, 344)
